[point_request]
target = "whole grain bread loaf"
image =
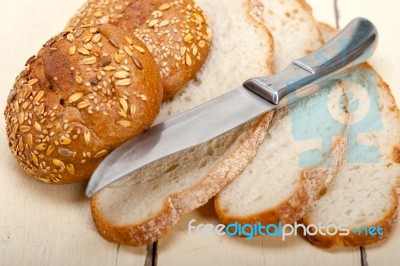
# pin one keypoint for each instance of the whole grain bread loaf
(85, 92)
(93, 86)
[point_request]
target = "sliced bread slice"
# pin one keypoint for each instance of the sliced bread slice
(277, 186)
(265, 192)
(140, 208)
(291, 23)
(240, 49)
(363, 194)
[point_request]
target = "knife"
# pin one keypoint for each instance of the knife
(352, 46)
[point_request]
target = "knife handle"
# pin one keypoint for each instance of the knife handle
(353, 45)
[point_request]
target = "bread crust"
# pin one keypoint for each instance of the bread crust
(249, 14)
(79, 98)
(176, 32)
(143, 233)
(387, 223)
(177, 204)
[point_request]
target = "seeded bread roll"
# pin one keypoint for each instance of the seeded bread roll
(84, 93)
(176, 32)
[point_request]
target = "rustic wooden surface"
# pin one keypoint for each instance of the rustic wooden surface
(50, 225)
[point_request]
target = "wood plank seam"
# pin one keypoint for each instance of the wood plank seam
(116, 259)
(337, 13)
(363, 254)
(151, 256)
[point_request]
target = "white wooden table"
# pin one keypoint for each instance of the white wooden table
(50, 225)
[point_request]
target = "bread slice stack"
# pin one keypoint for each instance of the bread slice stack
(362, 192)
(275, 186)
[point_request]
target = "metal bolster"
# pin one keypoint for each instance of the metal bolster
(257, 86)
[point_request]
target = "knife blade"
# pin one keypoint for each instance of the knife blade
(353, 45)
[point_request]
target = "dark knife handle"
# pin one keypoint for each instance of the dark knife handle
(353, 45)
